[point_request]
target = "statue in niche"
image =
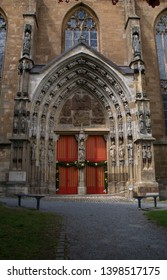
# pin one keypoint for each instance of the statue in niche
(108, 90)
(113, 152)
(122, 95)
(117, 87)
(51, 126)
(117, 107)
(81, 152)
(50, 97)
(138, 153)
(112, 127)
(34, 125)
(130, 151)
(136, 42)
(27, 40)
(121, 151)
(50, 153)
(144, 155)
(129, 124)
(23, 125)
(141, 123)
(15, 124)
(45, 88)
(149, 155)
(126, 107)
(120, 126)
(81, 147)
(113, 99)
(148, 122)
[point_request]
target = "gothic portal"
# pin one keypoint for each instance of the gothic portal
(87, 133)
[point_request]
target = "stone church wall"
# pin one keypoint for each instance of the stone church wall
(114, 43)
(148, 17)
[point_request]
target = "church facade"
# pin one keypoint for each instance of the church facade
(83, 104)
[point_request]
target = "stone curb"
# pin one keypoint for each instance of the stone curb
(61, 248)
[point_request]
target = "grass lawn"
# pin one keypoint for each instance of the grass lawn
(28, 234)
(159, 216)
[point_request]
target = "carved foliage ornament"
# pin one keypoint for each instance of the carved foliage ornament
(152, 3)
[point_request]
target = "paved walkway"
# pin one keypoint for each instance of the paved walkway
(99, 228)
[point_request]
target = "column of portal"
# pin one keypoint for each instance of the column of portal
(81, 138)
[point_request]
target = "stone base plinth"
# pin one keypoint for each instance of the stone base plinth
(82, 190)
(143, 188)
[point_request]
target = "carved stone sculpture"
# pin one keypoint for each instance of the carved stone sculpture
(130, 151)
(121, 152)
(148, 122)
(15, 125)
(50, 153)
(113, 152)
(81, 151)
(141, 123)
(144, 155)
(136, 42)
(27, 40)
(81, 147)
(149, 155)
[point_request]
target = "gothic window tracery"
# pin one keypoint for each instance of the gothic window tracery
(2, 41)
(161, 42)
(81, 26)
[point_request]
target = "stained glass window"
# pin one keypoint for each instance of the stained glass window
(2, 41)
(161, 42)
(81, 25)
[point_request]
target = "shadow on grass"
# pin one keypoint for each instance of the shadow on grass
(28, 234)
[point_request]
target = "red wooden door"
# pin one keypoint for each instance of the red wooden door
(67, 152)
(95, 153)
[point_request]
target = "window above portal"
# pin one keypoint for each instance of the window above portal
(2, 41)
(81, 25)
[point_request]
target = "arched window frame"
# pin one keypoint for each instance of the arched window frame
(3, 36)
(161, 45)
(67, 18)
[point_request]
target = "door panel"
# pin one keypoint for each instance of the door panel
(67, 151)
(95, 152)
(95, 180)
(96, 148)
(91, 179)
(68, 180)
